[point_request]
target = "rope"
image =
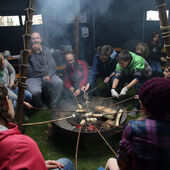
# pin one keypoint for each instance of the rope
(77, 146)
(167, 45)
(25, 65)
(27, 35)
(21, 84)
(165, 36)
(158, 6)
(27, 12)
(167, 32)
(26, 50)
(44, 122)
(23, 77)
(105, 141)
(165, 27)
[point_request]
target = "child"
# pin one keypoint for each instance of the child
(131, 69)
(166, 72)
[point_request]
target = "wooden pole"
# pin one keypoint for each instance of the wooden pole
(161, 5)
(24, 64)
(77, 30)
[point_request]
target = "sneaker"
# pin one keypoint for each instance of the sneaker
(133, 112)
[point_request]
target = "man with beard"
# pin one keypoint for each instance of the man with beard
(75, 75)
(42, 82)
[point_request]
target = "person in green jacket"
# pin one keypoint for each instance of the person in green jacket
(131, 70)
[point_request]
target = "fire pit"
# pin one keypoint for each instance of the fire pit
(98, 118)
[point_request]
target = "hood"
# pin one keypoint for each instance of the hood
(12, 129)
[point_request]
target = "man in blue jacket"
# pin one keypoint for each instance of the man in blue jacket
(104, 64)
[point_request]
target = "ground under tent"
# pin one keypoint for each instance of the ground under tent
(101, 23)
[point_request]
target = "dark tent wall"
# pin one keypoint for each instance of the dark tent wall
(111, 22)
(124, 21)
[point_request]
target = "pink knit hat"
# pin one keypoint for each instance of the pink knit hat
(155, 97)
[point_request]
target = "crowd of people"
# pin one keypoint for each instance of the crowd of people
(144, 143)
(118, 71)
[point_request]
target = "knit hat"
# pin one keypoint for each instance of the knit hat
(155, 97)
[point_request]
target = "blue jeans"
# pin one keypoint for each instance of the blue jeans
(27, 96)
(68, 165)
(156, 66)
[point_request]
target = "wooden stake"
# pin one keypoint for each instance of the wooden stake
(161, 5)
(24, 64)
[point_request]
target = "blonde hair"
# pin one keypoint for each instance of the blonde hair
(143, 48)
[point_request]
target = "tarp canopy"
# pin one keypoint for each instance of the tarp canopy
(111, 22)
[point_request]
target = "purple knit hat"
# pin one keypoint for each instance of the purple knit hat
(155, 97)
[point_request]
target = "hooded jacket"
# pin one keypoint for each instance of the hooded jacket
(19, 151)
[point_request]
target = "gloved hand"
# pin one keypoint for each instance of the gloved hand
(114, 93)
(124, 91)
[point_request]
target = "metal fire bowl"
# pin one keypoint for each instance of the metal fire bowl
(63, 127)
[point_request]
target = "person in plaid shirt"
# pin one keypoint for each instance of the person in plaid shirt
(145, 143)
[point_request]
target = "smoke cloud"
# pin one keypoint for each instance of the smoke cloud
(60, 14)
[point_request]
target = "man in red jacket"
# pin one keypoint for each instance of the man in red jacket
(75, 74)
(19, 151)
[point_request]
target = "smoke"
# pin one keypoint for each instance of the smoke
(99, 7)
(58, 15)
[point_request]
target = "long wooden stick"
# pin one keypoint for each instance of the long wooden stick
(105, 141)
(77, 146)
(44, 122)
(24, 65)
(95, 87)
(161, 5)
